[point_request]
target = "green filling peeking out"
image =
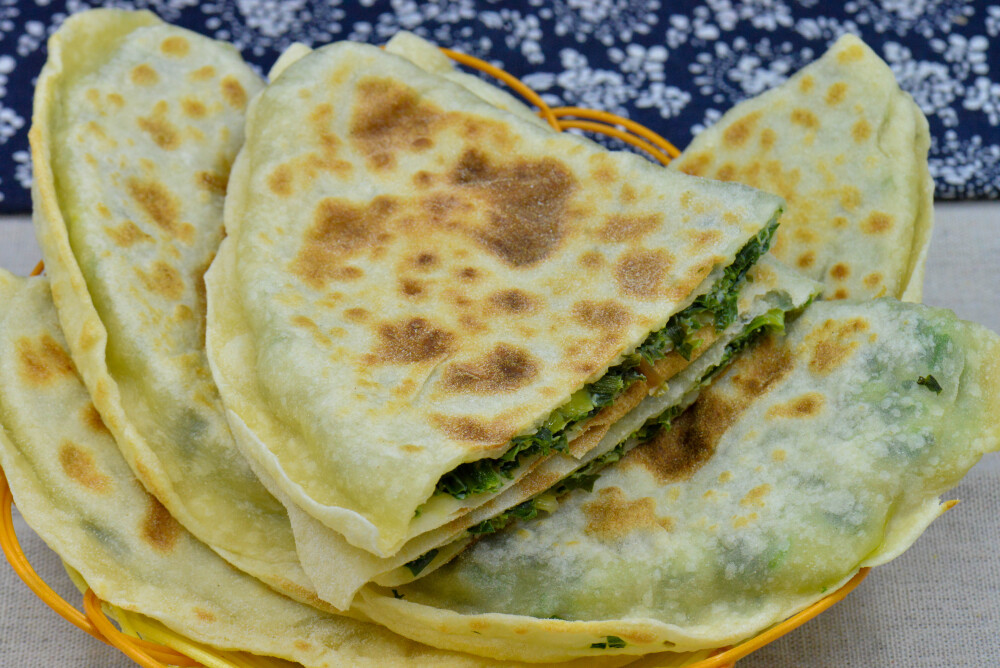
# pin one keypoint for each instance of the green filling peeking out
(717, 307)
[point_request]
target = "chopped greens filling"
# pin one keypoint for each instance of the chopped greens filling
(931, 383)
(420, 563)
(612, 642)
(717, 307)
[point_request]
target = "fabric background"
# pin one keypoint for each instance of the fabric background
(673, 65)
(937, 605)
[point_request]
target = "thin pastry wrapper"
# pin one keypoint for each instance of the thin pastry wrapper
(814, 455)
(135, 126)
(395, 248)
(847, 149)
(338, 569)
(74, 488)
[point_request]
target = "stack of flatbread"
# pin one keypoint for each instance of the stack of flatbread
(369, 366)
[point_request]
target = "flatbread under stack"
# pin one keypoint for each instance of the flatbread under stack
(380, 313)
(817, 453)
(847, 149)
(74, 488)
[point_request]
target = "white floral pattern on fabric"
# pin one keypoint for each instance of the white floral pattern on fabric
(674, 65)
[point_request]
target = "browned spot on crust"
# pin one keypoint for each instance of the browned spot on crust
(340, 228)
(233, 92)
(591, 260)
(807, 405)
(640, 273)
(204, 615)
(411, 341)
(840, 271)
(767, 138)
(506, 368)
(512, 301)
(425, 260)
(831, 343)
(163, 279)
(468, 273)
(876, 223)
(861, 131)
(850, 54)
(806, 83)
(755, 497)
(202, 73)
(161, 131)
(193, 108)
(423, 179)
(755, 374)
(116, 99)
(356, 314)
(836, 93)
(176, 46)
(93, 420)
(739, 131)
(476, 430)
(160, 205)
(212, 182)
(612, 516)
(144, 75)
(806, 260)
(79, 465)
(840, 293)
(619, 228)
(43, 360)
(410, 288)
(127, 234)
(805, 118)
(303, 646)
(872, 280)
(605, 315)
(628, 193)
(280, 181)
(390, 117)
(674, 454)
(850, 198)
(697, 164)
(159, 528)
(727, 172)
(527, 205)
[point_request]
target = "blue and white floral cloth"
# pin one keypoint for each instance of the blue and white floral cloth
(674, 66)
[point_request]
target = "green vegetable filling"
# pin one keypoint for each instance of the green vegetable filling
(931, 383)
(420, 563)
(717, 307)
(612, 642)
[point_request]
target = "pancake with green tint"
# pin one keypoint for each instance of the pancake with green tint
(815, 454)
(396, 249)
(74, 488)
(847, 149)
(338, 569)
(136, 124)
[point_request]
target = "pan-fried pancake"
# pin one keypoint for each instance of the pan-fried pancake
(380, 313)
(814, 455)
(847, 149)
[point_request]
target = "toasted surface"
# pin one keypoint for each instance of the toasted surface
(136, 124)
(815, 454)
(847, 149)
(338, 569)
(396, 249)
(74, 488)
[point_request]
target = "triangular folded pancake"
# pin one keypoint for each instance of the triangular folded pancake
(73, 487)
(380, 315)
(814, 455)
(338, 569)
(847, 149)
